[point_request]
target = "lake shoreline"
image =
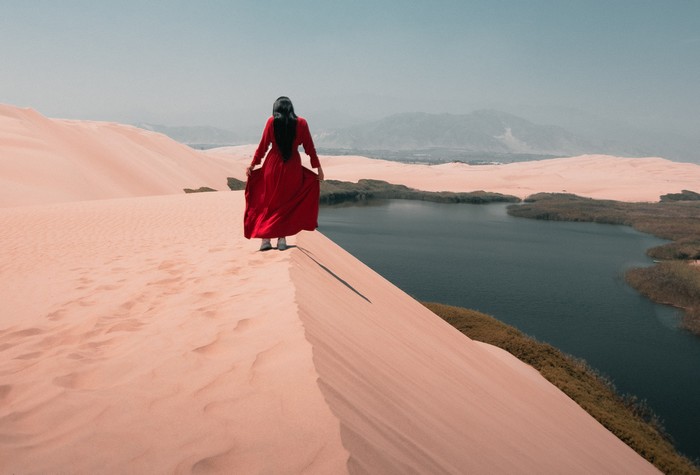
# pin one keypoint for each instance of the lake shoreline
(373, 247)
(674, 279)
(630, 419)
(570, 207)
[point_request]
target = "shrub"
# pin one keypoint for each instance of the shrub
(199, 190)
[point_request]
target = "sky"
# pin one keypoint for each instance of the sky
(223, 63)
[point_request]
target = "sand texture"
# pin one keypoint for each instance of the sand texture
(46, 160)
(144, 334)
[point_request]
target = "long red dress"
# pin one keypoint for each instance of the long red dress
(282, 197)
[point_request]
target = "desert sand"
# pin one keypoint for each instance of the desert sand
(144, 334)
(46, 160)
(593, 176)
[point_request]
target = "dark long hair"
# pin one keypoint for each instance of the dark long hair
(285, 124)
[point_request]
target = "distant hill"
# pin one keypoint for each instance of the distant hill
(201, 136)
(480, 136)
(615, 136)
(487, 131)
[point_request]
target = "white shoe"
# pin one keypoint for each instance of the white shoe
(281, 244)
(266, 245)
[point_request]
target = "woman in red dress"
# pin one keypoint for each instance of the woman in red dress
(282, 195)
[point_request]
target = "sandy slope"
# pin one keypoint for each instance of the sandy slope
(145, 335)
(413, 395)
(46, 160)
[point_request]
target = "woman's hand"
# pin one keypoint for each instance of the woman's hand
(320, 174)
(249, 170)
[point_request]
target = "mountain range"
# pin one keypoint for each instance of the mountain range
(482, 134)
(201, 136)
(480, 131)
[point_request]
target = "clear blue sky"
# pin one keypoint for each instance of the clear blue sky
(224, 62)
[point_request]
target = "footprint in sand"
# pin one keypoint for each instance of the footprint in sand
(5, 390)
(126, 326)
(210, 348)
(166, 281)
(263, 359)
(242, 325)
(102, 288)
(56, 315)
(216, 463)
(26, 332)
(171, 267)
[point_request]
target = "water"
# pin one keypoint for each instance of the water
(559, 282)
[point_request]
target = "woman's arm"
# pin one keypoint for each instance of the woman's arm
(309, 147)
(308, 143)
(265, 142)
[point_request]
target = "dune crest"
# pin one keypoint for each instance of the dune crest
(413, 395)
(146, 335)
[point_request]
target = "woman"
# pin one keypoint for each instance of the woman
(282, 195)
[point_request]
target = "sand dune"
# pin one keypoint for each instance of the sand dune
(145, 335)
(46, 160)
(594, 176)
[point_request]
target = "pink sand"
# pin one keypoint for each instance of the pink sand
(594, 176)
(146, 335)
(50, 160)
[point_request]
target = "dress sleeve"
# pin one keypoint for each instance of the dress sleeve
(308, 144)
(265, 142)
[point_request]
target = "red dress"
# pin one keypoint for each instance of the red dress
(282, 197)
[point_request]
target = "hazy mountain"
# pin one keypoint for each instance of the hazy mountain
(482, 135)
(616, 137)
(203, 136)
(487, 131)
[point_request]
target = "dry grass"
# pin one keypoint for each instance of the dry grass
(674, 283)
(336, 192)
(201, 189)
(235, 184)
(677, 221)
(626, 417)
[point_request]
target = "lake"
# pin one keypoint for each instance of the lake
(560, 282)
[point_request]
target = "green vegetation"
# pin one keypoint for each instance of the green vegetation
(235, 184)
(684, 195)
(201, 189)
(675, 282)
(336, 192)
(628, 418)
